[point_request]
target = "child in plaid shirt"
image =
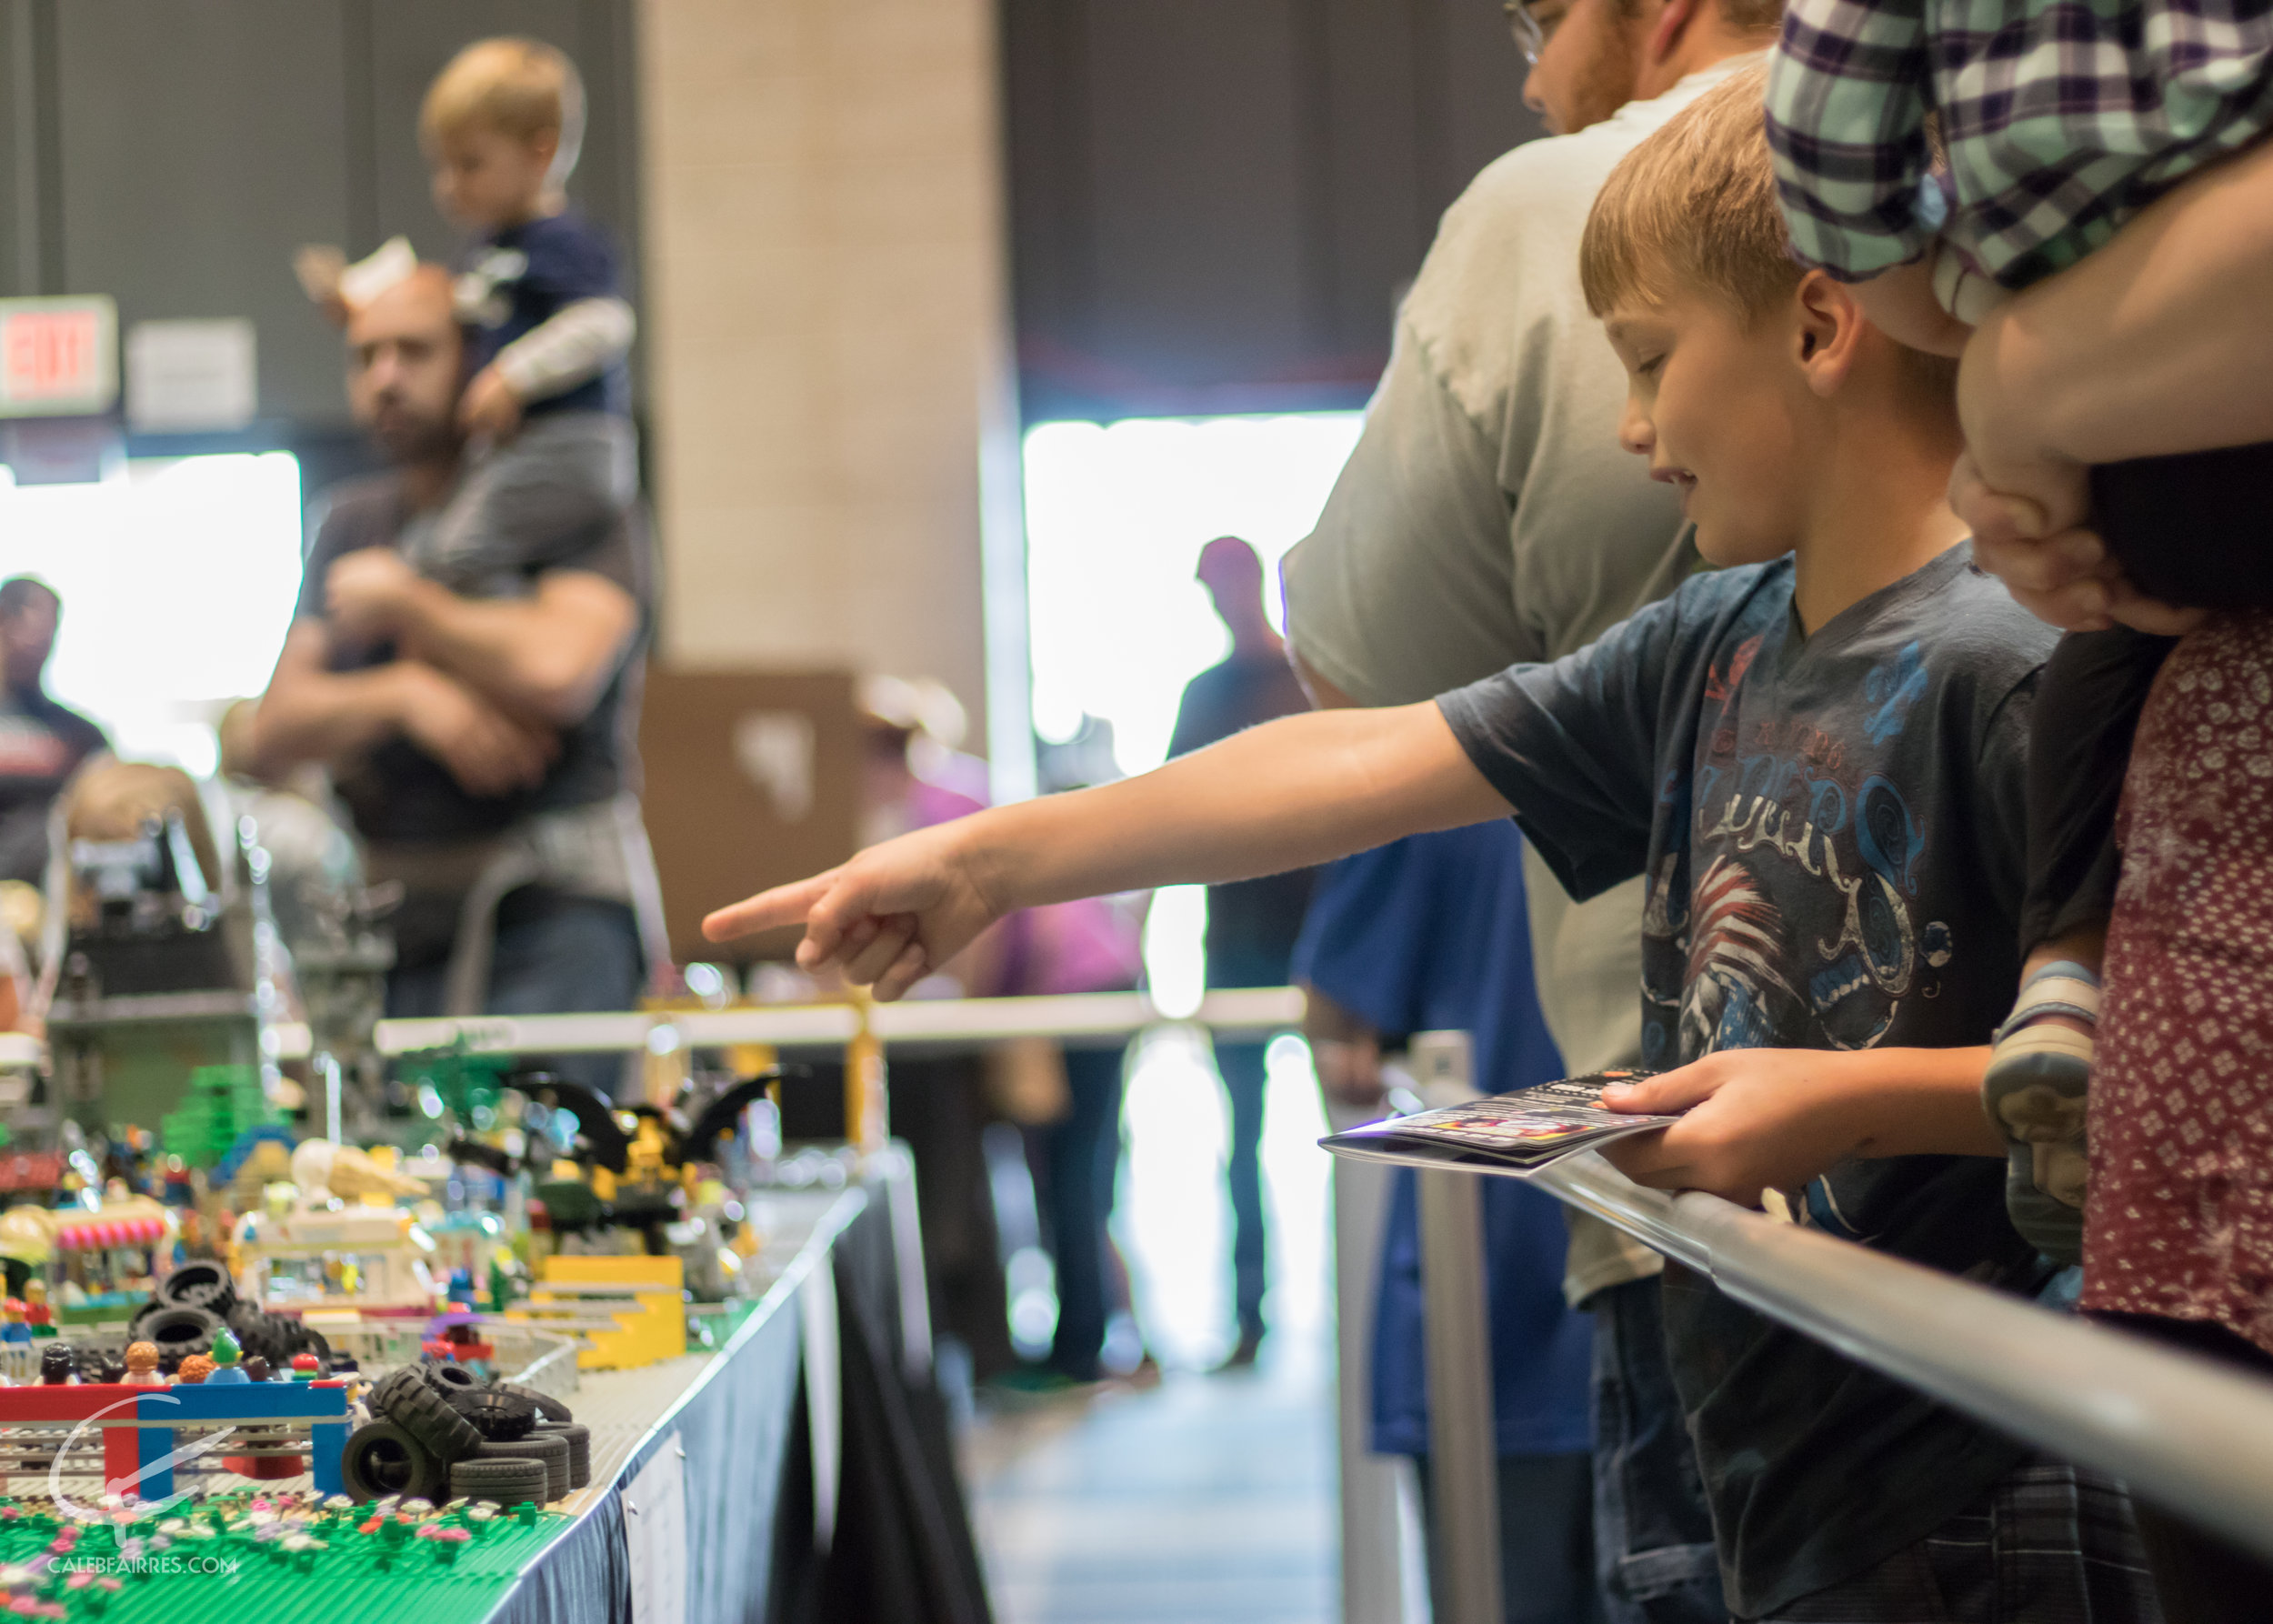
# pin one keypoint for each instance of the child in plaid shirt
(2058, 120)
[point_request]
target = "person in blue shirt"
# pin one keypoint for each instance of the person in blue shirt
(1431, 933)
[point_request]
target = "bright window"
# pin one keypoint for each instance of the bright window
(178, 577)
(1116, 518)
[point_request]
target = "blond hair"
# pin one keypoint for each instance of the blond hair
(1694, 207)
(523, 88)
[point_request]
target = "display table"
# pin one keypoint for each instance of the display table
(798, 1472)
(829, 1500)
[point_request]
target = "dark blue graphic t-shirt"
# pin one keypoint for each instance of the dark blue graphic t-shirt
(515, 282)
(1832, 828)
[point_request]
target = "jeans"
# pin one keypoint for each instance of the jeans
(1545, 1540)
(555, 955)
(1082, 1155)
(1240, 1065)
(1653, 1532)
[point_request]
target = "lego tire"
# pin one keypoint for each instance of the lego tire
(407, 1399)
(200, 1283)
(497, 1417)
(507, 1481)
(382, 1458)
(579, 1439)
(177, 1330)
(550, 1452)
(548, 1406)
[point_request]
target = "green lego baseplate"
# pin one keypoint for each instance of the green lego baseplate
(269, 1557)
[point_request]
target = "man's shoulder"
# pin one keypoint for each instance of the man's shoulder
(1506, 251)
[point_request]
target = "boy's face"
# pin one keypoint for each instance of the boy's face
(486, 178)
(1722, 410)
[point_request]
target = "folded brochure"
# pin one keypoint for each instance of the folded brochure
(1516, 1133)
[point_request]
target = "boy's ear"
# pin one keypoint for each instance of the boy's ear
(1828, 333)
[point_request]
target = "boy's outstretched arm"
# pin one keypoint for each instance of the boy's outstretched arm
(1286, 795)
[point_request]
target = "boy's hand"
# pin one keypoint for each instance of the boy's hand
(890, 917)
(366, 595)
(1758, 1118)
(489, 409)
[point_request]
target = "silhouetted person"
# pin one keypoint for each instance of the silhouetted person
(1251, 926)
(42, 743)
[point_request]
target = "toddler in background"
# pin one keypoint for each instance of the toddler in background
(547, 401)
(2057, 121)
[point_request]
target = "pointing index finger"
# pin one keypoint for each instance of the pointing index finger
(768, 910)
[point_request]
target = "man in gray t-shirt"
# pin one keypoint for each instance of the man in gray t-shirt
(1488, 516)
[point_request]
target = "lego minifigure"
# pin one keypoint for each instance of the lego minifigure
(37, 1315)
(55, 1365)
(142, 1366)
(227, 1353)
(193, 1370)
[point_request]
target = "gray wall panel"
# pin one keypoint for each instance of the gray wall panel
(1195, 157)
(200, 143)
(1214, 202)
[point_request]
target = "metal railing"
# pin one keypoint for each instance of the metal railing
(2186, 1432)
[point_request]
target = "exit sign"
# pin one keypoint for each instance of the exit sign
(58, 357)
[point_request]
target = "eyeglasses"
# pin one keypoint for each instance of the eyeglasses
(1530, 38)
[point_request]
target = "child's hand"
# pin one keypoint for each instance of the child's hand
(890, 916)
(489, 409)
(1758, 1118)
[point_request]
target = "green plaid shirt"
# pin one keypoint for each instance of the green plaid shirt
(2062, 119)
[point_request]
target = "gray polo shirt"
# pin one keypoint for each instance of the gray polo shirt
(1488, 517)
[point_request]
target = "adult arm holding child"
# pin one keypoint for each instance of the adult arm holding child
(2156, 345)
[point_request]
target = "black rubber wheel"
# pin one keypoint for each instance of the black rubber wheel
(200, 1283)
(542, 1447)
(259, 1333)
(453, 1381)
(507, 1482)
(406, 1399)
(579, 1439)
(382, 1458)
(178, 1331)
(499, 1417)
(548, 1406)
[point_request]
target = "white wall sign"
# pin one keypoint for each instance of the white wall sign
(58, 357)
(186, 376)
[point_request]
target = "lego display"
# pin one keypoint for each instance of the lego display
(369, 1259)
(153, 954)
(402, 1557)
(628, 1311)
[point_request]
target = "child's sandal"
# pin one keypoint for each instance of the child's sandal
(2037, 1092)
